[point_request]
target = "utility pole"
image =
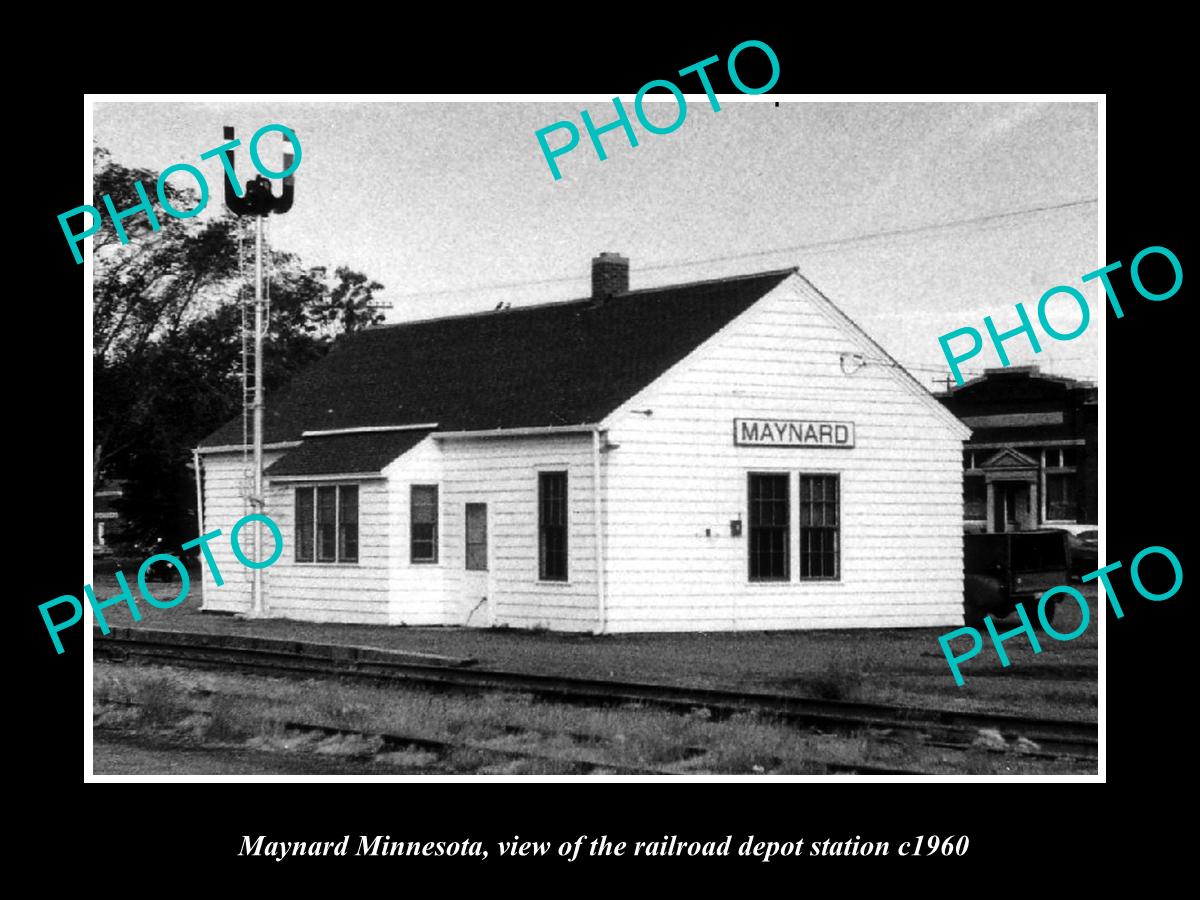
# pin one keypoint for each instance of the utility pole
(257, 200)
(258, 606)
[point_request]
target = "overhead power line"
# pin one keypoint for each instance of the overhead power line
(875, 235)
(812, 245)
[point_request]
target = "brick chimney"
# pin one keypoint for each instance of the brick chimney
(610, 276)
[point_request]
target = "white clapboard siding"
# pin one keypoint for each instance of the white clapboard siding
(418, 595)
(333, 592)
(671, 484)
(225, 477)
(502, 472)
(317, 592)
(677, 473)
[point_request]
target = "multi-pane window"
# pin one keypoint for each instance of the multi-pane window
(477, 537)
(1061, 484)
(327, 523)
(820, 526)
(769, 527)
(423, 527)
(552, 526)
(1060, 496)
(1059, 457)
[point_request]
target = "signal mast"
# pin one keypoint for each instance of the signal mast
(257, 200)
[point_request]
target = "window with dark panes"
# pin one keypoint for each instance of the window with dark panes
(974, 497)
(327, 524)
(552, 526)
(304, 524)
(769, 524)
(1060, 496)
(1061, 499)
(477, 537)
(348, 523)
(820, 526)
(423, 512)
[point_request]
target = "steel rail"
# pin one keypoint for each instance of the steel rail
(588, 765)
(1052, 735)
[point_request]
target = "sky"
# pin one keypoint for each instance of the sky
(453, 208)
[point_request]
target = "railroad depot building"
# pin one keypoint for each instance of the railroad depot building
(1032, 459)
(696, 457)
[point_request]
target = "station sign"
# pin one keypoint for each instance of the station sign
(792, 433)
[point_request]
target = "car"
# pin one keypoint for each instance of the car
(128, 559)
(1084, 549)
(1085, 552)
(1002, 569)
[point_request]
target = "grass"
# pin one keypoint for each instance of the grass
(889, 665)
(250, 710)
(158, 701)
(841, 679)
(227, 721)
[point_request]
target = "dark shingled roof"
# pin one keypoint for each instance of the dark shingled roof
(557, 364)
(346, 453)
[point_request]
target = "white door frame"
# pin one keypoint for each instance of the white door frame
(470, 575)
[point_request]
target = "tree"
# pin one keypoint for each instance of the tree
(167, 350)
(159, 279)
(145, 289)
(349, 306)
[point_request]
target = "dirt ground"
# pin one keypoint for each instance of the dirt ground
(886, 665)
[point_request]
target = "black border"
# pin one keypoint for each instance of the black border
(158, 831)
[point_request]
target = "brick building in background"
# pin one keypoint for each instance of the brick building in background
(1032, 458)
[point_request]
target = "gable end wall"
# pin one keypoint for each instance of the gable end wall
(677, 473)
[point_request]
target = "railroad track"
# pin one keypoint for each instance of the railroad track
(576, 764)
(443, 749)
(1055, 738)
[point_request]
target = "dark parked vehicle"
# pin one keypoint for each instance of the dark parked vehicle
(1085, 552)
(1084, 549)
(1013, 567)
(128, 558)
